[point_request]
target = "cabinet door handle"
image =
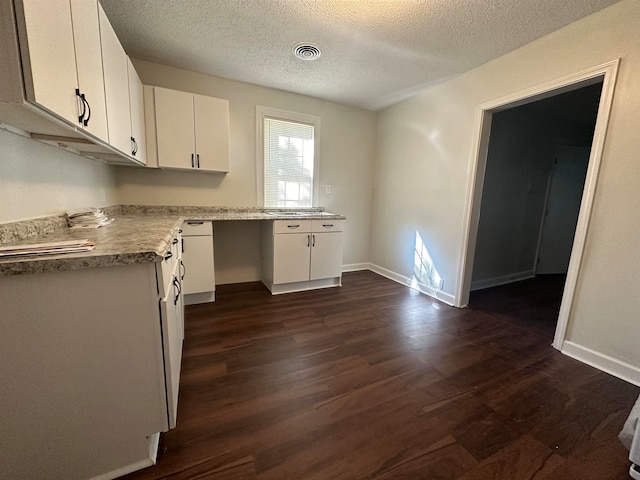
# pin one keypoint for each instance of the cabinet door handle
(327, 225)
(198, 159)
(134, 146)
(86, 120)
(84, 106)
(308, 240)
(184, 270)
(313, 244)
(195, 223)
(178, 287)
(182, 245)
(293, 226)
(168, 256)
(192, 161)
(175, 240)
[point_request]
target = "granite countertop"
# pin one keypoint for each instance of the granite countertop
(138, 234)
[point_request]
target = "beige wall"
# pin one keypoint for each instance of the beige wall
(38, 180)
(347, 152)
(423, 162)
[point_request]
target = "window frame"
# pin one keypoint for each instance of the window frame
(287, 116)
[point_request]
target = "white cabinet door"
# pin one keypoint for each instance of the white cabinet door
(116, 87)
(175, 128)
(198, 263)
(88, 51)
(291, 257)
(326, 255)
(171, 322)
(50, 62)
(211, 133)
(136, 103)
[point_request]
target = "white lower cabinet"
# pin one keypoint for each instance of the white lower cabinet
(91, 359)
(197, 255)
(301, 254)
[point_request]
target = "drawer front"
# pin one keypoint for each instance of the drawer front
(327, 225)
(291, 226)
(192, 228)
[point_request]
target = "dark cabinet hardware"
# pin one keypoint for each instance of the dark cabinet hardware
(84, 106)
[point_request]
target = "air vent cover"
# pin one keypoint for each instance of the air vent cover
(306, 51)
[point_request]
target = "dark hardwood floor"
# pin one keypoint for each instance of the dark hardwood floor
(376, 381)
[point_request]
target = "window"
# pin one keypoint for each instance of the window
(287, 163)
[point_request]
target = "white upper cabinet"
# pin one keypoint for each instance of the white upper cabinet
(86, 34)
(63, 61)
(116, 87)
(136, 102)
(192, 131)
(211, 133)
(175, 129)
(50, 61)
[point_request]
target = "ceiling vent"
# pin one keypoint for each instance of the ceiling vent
(306, 51)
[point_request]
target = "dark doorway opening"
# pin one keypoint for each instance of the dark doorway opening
(537, 161)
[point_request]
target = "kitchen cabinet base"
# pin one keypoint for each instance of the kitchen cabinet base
(277, 289)
(196, 298)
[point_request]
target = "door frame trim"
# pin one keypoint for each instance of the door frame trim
(477, 166)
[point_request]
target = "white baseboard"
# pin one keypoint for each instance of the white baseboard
(355, 267)
(625, 371)
(396, 277)
(196, 298)
(502, 280)
(119, 472)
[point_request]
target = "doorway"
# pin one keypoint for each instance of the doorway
(518, 262)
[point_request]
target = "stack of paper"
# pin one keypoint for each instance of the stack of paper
(51, 248)
(91, 218)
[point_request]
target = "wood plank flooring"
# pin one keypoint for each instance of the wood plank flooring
(376, 381)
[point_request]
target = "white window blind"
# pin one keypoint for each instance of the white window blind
(288, 163)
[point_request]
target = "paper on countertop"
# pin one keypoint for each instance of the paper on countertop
(87, 218)
(51, 248)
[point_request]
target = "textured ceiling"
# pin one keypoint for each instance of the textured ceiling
(374, 52)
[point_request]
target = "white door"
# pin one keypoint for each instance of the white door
(326, 255)
(51, 57)
(116, 86)
(136, 103)
(86, 34)
(291, 257)
(211, 133)
(198, 261)
(566, 185)
(174, 127)
(172, 347)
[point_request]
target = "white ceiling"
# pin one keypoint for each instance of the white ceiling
(374, 52)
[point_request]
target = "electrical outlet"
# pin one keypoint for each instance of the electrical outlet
(327, 188)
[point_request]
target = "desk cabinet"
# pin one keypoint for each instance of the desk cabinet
(197, 253)
(301, 254)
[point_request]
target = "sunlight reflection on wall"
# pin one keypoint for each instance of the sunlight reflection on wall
(425, 276)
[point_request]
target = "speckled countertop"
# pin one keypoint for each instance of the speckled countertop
(138, 234)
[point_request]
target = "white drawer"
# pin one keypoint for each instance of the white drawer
(291, 226)
(195, 227)
(327, 225)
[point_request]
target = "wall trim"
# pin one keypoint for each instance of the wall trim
(356, 267)
(502, 280)
(624, 371)
(118, 472)
(406, 281)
